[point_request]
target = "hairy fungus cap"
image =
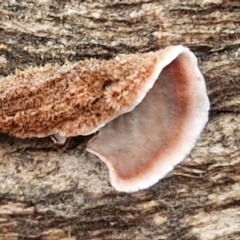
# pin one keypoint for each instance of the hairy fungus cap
(142, 146)
(77, 99)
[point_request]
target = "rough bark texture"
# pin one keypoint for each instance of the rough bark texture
(48, 193)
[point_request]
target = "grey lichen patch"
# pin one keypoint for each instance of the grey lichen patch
(31, 173)
(91, 179)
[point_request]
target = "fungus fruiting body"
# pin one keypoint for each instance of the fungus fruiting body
(149, 110)
(142, 146)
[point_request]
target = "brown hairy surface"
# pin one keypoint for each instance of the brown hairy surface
(72, 100)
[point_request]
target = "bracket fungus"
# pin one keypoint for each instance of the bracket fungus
(149, 110)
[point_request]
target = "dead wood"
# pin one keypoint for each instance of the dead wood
(48, 193)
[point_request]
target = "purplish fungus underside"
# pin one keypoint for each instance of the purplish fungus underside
(149, 109)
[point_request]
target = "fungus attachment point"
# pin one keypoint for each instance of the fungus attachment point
(59, 140)
(142, 146)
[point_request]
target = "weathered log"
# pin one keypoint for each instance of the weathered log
(49, 193)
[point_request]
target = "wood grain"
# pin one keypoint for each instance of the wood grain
(48, 193)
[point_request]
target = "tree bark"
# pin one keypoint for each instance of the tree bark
(48, 193)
